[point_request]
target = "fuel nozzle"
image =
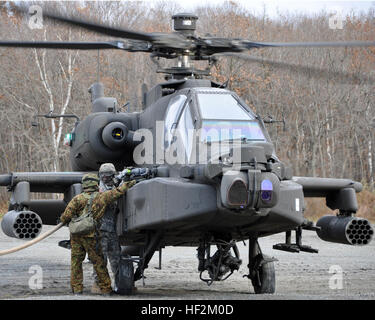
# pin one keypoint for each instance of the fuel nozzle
(136, 173)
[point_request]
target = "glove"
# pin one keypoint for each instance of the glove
(130, 183)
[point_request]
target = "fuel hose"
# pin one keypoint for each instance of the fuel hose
(32, 242)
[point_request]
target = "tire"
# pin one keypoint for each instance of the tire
(125, 277)
(267, 279)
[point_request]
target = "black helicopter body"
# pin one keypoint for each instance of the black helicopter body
(240, 191)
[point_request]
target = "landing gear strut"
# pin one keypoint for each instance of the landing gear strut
(124, 278)
(261, 269)
(222, 264)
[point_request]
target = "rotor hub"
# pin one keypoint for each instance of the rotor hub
(185, 23)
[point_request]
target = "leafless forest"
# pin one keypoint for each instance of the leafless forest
(330, 121)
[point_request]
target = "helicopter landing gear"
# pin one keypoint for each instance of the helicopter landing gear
(261, 269)
(124, 279)
(222, 264)
(153, 244)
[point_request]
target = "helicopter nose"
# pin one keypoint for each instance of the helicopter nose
(243, 189)
(234, 189)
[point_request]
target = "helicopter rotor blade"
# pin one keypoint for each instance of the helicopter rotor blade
(326, 44)
(339, 76)
(213, 45)
(128, 46)
(156, 39)
(98, 28)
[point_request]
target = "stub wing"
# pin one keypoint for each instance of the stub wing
(50, 182)
(339, 193)
(26, 215)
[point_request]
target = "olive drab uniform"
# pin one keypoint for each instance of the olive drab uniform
(88, 243)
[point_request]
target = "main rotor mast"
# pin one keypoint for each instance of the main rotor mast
(185, 24)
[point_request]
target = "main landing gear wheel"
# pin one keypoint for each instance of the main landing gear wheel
(124, 278)
(266, 278)
(261, 269)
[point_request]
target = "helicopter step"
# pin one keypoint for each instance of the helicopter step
(295, 247)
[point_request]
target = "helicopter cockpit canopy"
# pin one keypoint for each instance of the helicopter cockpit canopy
(209, 116)
(225, 119)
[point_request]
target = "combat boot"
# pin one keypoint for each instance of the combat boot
(108, 294)
(95, 289)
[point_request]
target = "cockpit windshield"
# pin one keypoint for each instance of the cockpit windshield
(224, 119)
(225, 130)
(221, 106)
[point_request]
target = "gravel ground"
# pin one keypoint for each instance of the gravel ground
(298, 275)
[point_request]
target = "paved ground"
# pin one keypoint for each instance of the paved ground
(298, 275)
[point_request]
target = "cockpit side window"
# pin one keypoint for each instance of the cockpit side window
(171, 117)
(186, 131)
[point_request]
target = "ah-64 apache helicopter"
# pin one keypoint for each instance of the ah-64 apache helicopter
(242, 191)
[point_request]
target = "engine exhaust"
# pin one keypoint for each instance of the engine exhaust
(346, 230)
(24, 225)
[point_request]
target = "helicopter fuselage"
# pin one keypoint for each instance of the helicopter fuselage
(217, 171)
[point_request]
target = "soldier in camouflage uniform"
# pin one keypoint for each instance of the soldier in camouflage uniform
(109, 239)
(82, 244)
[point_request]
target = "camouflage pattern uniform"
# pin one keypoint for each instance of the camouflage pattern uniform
(109, 240)
(80, 245)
